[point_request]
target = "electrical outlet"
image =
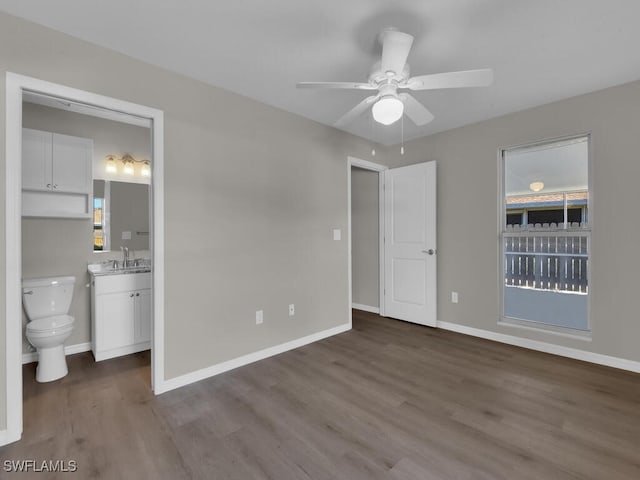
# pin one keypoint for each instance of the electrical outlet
(292, 310)
(259, 317)
(454, 297)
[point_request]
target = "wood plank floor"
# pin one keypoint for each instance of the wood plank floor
(387, 400)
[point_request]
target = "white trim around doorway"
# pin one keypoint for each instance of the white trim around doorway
(375, 167)
(15, 85)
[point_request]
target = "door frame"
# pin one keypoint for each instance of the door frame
(15, 85)
(380, 169)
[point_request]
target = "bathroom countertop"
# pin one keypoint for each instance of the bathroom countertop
(106, 268)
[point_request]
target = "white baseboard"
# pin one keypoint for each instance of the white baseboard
(68, 350)
(366, 308)
(574, 353)
(6, 438)
(219, 368)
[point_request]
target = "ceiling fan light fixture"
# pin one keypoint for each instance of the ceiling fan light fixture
(387, 110)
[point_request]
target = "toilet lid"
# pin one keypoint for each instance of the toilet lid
(49, 323)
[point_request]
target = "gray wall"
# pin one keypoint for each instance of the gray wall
(468, 218)
(365, 237)
(252, 194)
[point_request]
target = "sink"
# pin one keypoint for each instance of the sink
(107, 267)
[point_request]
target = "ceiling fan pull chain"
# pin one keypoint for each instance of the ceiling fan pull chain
(402, 135)
(373, 150)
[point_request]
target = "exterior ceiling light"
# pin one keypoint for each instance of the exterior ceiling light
(536, 186)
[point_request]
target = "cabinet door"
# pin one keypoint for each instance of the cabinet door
(143, 316)
(36, 159)
(72, 164)
(115, 314)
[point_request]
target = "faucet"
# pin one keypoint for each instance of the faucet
(125, 256)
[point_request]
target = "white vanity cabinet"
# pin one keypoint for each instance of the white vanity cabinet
(57, 175)
(120, 314)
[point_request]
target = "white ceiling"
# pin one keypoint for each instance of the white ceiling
(562, 167)
(540, 50)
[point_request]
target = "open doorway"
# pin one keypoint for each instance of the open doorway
(19, 89)
(406, 203)
(366, 235)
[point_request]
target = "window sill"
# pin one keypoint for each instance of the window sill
(584, 335)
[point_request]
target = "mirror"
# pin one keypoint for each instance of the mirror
(120, 215)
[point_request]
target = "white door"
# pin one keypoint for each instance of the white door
(143, 316)
(116, 313)
(410, 243)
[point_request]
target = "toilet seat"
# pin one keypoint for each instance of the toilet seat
(49, 326)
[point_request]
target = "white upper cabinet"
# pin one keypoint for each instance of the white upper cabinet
(37, 151)
(57, 175)
(72, 164)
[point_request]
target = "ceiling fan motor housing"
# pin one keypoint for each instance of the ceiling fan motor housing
(378, 77)
(388, 90)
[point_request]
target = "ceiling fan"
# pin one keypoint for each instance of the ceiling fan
(391, 74)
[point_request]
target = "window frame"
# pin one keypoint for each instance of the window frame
(502, 233)
(102, 223)
(106, 220)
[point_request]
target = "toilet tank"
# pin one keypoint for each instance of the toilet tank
(45, 297)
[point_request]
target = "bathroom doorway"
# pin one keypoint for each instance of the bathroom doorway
(41, 95)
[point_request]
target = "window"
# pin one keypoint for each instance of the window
(101, 196)
(546, 234)
(98, 224)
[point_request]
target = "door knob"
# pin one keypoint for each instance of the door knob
(431, 251)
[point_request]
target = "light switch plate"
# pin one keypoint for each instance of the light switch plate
(126, 235)
(259, 317)
(337, 234)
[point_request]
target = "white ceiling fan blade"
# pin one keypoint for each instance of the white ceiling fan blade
(417, 112)
(348, 85)
(395, 50)
(356, 111)
(467, 78)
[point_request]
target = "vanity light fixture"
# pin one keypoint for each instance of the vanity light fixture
(145, 171)
(128, 165)
(111, 166)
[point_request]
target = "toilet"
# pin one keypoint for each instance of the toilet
(46, 302)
